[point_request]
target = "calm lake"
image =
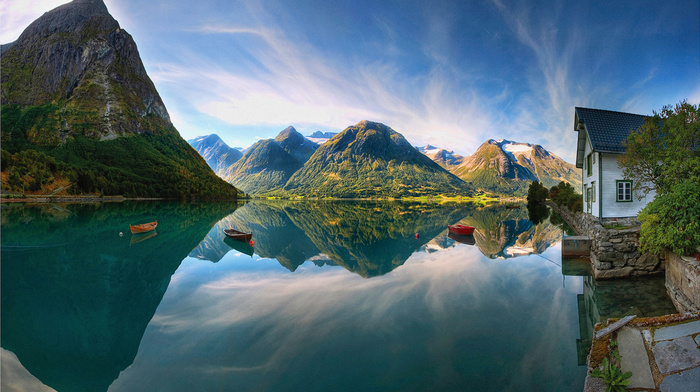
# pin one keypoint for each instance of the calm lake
(333, 295)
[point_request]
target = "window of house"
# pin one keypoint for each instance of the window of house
(589, 164)
(593, 191)
(624, 190)
(589, 199)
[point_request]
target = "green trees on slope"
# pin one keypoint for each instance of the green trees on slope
(140, 165)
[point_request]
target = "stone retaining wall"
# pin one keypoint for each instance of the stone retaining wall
(683, 282)
(614, 253)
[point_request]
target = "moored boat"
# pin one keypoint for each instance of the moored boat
(461, 229)
(238, 235)
(143, 228)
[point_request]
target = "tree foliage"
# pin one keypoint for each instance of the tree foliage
(139, 165)
(672, 221)
(537, 193)
(664, 151)
(564, 195)
(664, 156)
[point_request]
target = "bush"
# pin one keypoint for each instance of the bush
(672, 221)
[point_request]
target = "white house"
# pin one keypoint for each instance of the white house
(606, 193)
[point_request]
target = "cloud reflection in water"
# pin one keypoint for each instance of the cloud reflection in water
(443, 320)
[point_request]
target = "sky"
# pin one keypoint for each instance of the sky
(452, 74)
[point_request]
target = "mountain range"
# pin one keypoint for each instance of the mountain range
(506, 167)
(81, 115)
(371, 159)
(268, 164)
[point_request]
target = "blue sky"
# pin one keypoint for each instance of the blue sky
(448, 73)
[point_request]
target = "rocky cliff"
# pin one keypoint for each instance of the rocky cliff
(71, 86)
(78, 57)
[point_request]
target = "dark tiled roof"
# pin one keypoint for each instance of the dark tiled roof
(606, 129)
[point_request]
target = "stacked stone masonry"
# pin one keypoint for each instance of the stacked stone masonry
(614, 253)
(683, 282)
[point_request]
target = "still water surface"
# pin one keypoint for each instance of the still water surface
(332, 296)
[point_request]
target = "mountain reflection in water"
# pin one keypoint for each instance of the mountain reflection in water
(372, 238)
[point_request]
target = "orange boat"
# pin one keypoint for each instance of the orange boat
(143, 228)
(461, 229)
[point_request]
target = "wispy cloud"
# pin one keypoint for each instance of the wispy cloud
(546, 110)
(295, 83)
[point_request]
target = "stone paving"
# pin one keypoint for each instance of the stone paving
(661, 358)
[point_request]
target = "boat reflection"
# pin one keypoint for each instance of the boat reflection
(136, 238)
(464, 239)
(240, 246)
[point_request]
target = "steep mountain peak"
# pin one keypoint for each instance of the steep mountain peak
(371, 159)
(443, 157)
(69, 17)
(74, 81)
(290, 135)
(377, 139)
(88, 69)
(218, 155)
(370, 124)
(268, 164)
(208, 139)
(507, 167)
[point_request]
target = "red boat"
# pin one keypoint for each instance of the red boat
(461, 229)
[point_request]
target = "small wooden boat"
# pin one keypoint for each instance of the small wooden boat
(143, 228)
(238, 235)
(512, 207)
(461, 229)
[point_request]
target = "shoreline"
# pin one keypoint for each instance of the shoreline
(95, 199)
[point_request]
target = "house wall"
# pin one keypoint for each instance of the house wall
(591, 206)
(609, 175)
